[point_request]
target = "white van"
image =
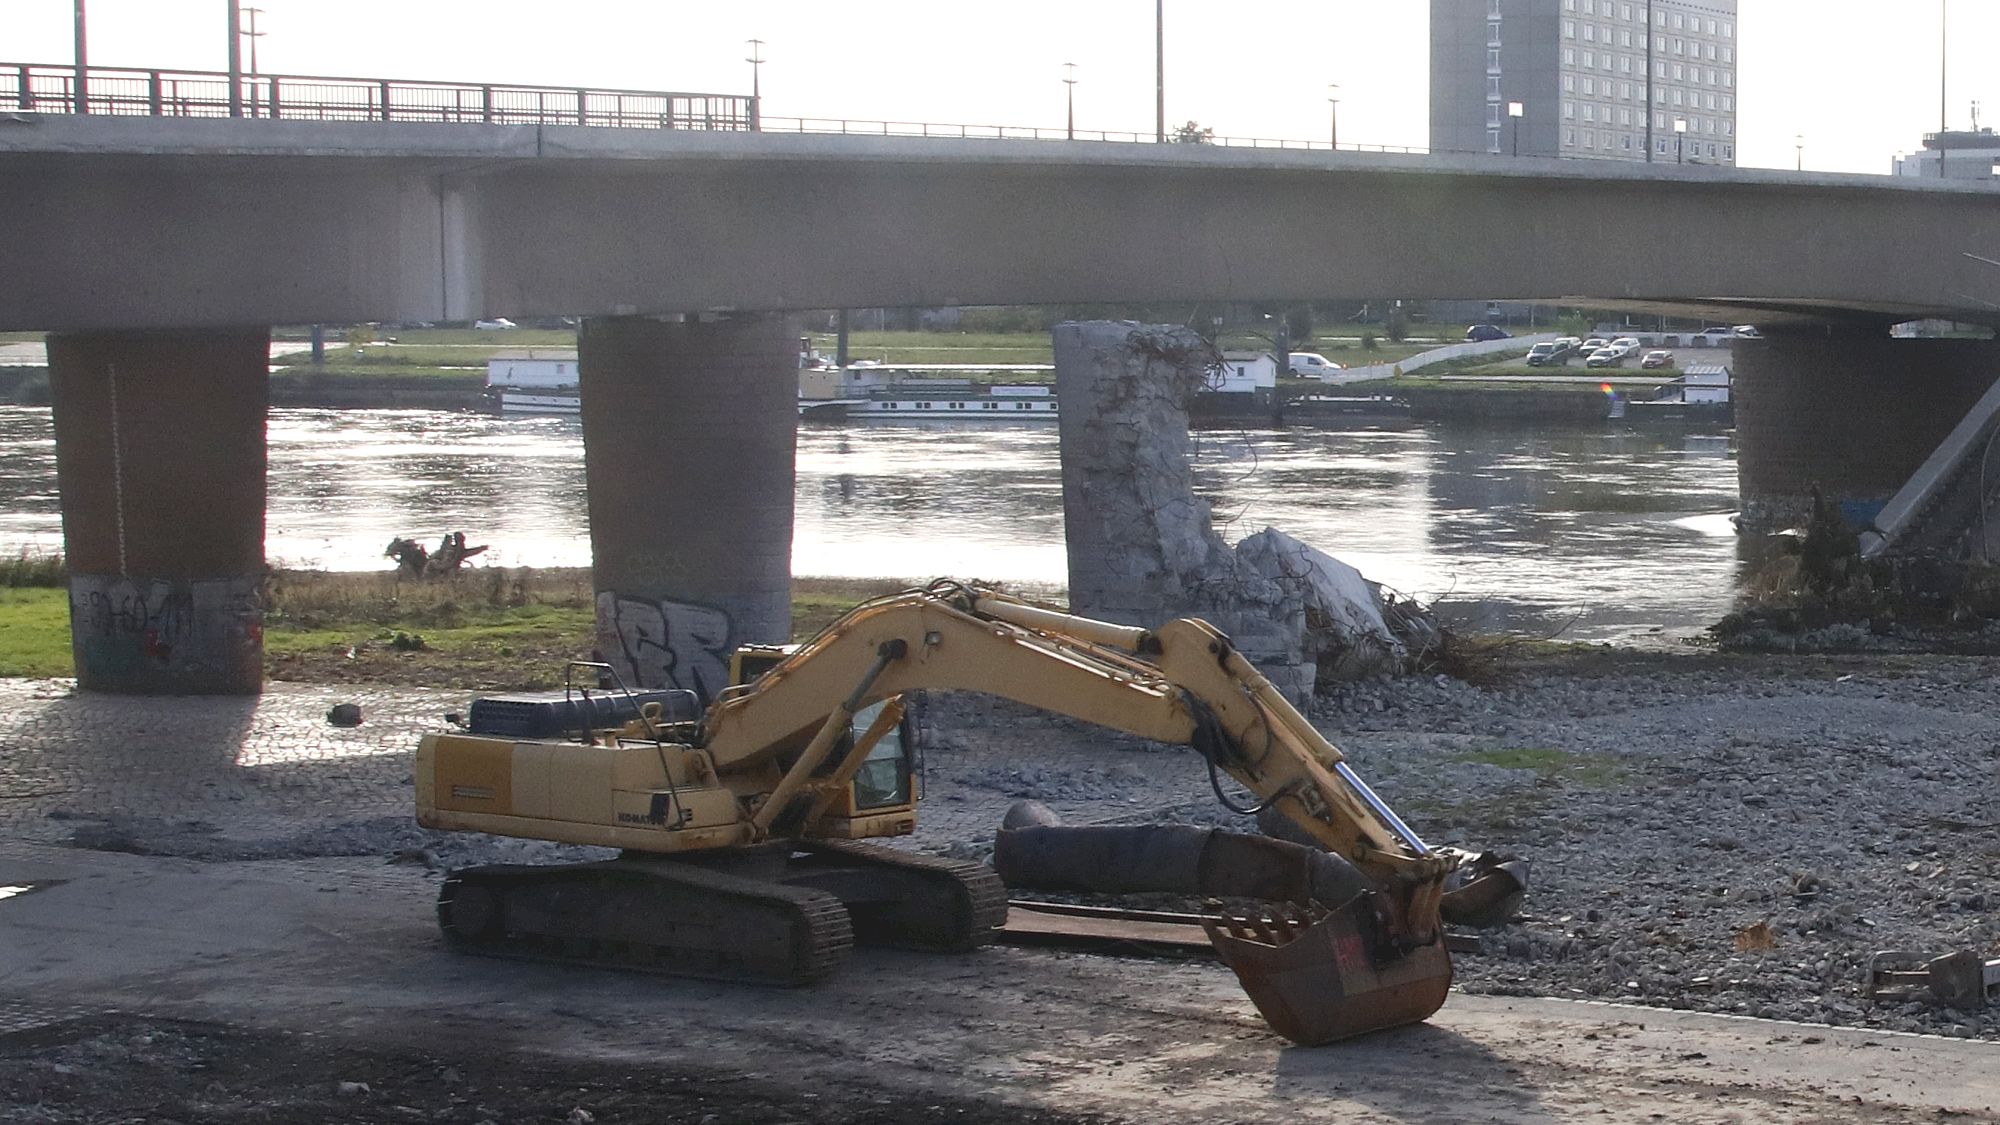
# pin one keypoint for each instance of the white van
(1312, 365)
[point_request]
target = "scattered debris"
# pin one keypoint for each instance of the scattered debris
(1961, 980)
(344, 715)
(1756, 939)
(413, 561)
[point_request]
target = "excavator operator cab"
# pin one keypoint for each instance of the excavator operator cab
(886, 780)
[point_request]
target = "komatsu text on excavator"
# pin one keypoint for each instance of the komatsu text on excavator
(743, 824)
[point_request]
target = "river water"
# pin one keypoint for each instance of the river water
(1597, 533)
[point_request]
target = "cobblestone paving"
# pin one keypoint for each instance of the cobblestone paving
(208, 775)
(223, 777)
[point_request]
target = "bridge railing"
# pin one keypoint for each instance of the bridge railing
(119, 91)
(864, 128)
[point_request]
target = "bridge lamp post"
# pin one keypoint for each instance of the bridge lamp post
(1516, 111)
(1799, 145)
(1680, 132)
(756, 61)
(1333, 118)
(253, 35)
(82, 63)
(1069, 80)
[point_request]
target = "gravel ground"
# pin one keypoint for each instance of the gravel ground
(1734, 834)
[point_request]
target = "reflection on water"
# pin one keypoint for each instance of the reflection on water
(1608, 533)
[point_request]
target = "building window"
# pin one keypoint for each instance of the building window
(1627, 138)
(1493, 8)
(1569, 29)
(1589, 33)
(1694, 74)
(1677, 97)
(1589, 87)
(1728, 104)
(1728, 78)
(1493, 61)
(1728, 55)
(1589, 138)
(1711, 27)
(1569, 110)
(1569, 5)
(1659, 70)
(1625, 90)
(1589, 112)
(1492, 87)
(1569, 83)
(1589, 60)
(1729, 128)
(1569, 56)
(1492, 140)
(1625, 38)
(1625, 117)
(1492, 114)
(1660, 18)
(1492, 33)
(1625, 11)
(1659, 144)
(1711, 148)
(1679, 72)
(1569, 138)
(1679, 22)
(1728, 30)
(1728, 152)
(1625, 65)
(1711, 101)
(1678, 44)
(1589, 7)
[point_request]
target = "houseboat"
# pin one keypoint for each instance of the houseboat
(539, 381)
(1699, 395)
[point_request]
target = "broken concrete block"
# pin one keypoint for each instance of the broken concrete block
(1142, 547)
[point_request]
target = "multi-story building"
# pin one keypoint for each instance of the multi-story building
(1587, 79)
(1958, 155)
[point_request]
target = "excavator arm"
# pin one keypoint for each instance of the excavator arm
(1183, 683)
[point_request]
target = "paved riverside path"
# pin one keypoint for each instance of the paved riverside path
(345, 945)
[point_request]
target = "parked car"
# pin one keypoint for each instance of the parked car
(1747, 332)
(1658, 357)
(1549, 353)
(496, 323)
(1592, 343)
(1610, 355)
(1312, 365)
(1570, 342)
(1713, 337)
(1483, 332)
(1628, 344)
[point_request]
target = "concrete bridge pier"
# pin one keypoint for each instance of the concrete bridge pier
(689, 432)
(1854, 412)
(160, 462)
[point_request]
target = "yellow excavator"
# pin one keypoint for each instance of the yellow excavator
(743, 824)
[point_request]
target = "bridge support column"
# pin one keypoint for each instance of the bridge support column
(160, 462)
(689, 432)
(1852, 413)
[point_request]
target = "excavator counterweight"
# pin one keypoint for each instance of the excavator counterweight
(744, 824)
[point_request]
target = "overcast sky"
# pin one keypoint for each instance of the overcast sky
(1858, 78)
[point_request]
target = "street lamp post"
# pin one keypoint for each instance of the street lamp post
(82, 64)
(236, 61)
(253, 35)
(1160, 69)
(1069, 80)
(1516, 111)
(1680, 133)
(1799, 144)
(756, 61)
(1333, 118)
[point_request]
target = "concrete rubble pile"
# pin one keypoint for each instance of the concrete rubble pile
(1143, 550)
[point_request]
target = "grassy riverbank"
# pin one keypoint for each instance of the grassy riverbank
(487, 628)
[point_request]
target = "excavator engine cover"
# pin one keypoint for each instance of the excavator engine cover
(1318, 976)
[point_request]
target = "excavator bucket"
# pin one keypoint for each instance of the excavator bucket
(1317, 977)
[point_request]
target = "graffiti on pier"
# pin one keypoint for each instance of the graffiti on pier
(665, 644)
(164, 629)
